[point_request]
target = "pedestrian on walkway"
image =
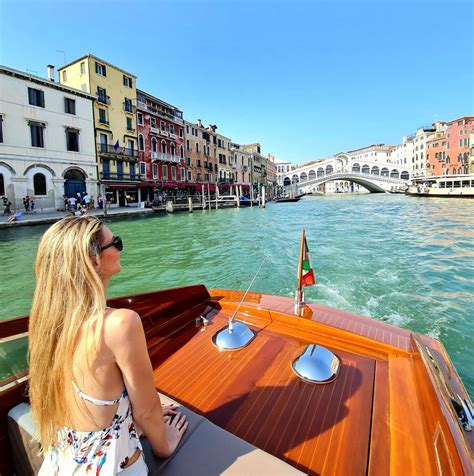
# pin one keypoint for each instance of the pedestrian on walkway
(26, 203)
(7, 210)
(32, 206)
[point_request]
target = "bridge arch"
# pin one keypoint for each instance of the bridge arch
(394, 174)
(375, 170)
(311, 175)
(356, 168)
(385, 172)
(343, 177)
(303, 177)
(329, 169)
(365, 169)
(405, 175)
(320, 172)
(295, 179)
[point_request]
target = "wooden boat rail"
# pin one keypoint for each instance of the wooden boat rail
(386, 413)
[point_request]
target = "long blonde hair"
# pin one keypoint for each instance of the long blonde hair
(69, 293)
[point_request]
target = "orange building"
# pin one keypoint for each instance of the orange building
(457, 145)
(436, 154)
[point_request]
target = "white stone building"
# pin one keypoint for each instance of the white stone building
(403, 154)
(47, 146)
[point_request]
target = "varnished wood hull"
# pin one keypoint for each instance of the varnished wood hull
(384, 414)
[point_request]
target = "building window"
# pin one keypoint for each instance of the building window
(182, 174)
(103, 116)
(163, 147)
(36, 97)
(171, 129)
(83, 68)
(197, 147)
(181, 132)
(190, 175)
(1, 129)
(100, 69)
(181, 151)
(142, 168)
(129, 124)
(153, 145)
(140, 118)
(187, 129)
(72, 140)
(173, 172)
(172, 149)
(155, 170)
(64, 76)
(165, 171)
(163, 126)
(39, 184)
(127, 81)
(188, 147)
(153, 122)
(188, 161)
(141, 142)
(69, 106)
(102, 95)
(36, 130)
(127, 105)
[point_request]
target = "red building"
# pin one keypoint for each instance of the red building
(457, 145)
(436, 154)
(160, 133)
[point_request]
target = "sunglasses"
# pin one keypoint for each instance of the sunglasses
(116, 241)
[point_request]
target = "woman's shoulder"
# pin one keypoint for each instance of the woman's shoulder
(121, 323)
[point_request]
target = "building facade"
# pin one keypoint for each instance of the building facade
(47, 146)
(458, 143)
(160, 128)
(115, 123)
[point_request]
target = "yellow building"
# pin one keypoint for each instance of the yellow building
(115, 123)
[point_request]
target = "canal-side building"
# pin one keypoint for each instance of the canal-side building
(160, 128)
(226, 167)
(372, 153)
(242, 160)
(259, 166)
(436, 154)
(471, 152)
(200, 151)
(47, 146)
(458, 142)
(115, 123)
(403, 154)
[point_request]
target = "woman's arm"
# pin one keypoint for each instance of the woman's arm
(126, 339)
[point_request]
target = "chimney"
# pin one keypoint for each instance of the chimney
(50, 72)
(199, 123)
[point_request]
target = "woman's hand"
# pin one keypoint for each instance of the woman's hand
(168, 409)
(175, 426)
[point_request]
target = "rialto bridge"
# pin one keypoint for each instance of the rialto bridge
(374, 176)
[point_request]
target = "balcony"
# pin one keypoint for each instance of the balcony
(124, 152)
(127, 107)
(173, 136)
(103, 99)
(164, 133)
(118, 176)
(154, 130)
(165, 157)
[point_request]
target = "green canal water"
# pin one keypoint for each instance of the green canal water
(403, 260)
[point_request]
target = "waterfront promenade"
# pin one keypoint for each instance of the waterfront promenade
(40, 218)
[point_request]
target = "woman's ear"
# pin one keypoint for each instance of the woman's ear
(95, 261)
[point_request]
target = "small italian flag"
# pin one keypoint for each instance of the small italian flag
(307, 273)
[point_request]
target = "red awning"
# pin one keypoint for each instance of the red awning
(148, 184)
(121, 185)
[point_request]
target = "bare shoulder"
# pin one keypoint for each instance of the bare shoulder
(122, 324)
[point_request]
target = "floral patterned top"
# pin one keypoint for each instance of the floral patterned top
(102, 452)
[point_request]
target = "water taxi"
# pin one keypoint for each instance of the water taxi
(274, 386)
(460, 186)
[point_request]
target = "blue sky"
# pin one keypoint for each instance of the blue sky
(306, 79)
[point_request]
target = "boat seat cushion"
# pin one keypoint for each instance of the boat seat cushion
(208, 450)
(26, 450)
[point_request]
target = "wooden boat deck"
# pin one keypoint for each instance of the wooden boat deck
(254, 394)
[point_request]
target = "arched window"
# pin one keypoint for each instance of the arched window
(153, 145)
(182, 153)
(320, 172)
(295, 179)
(311, 175)
(172, 149)
(365, 169)
(39, 184)
(384, 172)
(356, 168)
(303, 177)
(141, 142)
(394, 174)
(286, 182)
(375, 170)
(2, 185)
(405, 175)
(163, 146)
(329, 170)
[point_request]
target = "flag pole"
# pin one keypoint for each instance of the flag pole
(299, 292)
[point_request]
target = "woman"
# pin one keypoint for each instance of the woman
(91, 379)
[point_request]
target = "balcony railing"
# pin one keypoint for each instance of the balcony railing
(154, 130)
(122, 151)
(165, 157)
(162, 114)
(103, 99)
(119, 176)
(164, 133)
(173, 136)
